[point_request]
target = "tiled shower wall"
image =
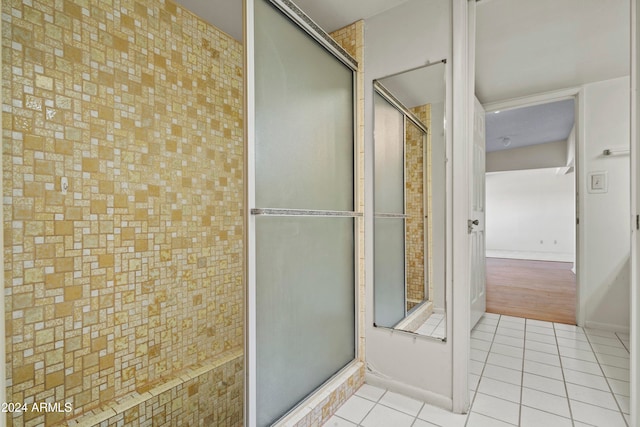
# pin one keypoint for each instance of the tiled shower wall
(128, 285)
(415, 228)
(423, 163)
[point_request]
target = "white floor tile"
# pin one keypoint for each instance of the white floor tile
(401, 403)
(479, 355)
(546, 402)
(382, 416)
(540, 357)
(475, 367)
(616, 373)
(543, 370)
(588, 380)
(496, 408)
(441, 417)
(625, 404)
(512, 319)
(530, 417)
(506, 361)
(355, 409)
(507, 375)
(420, 423)
(474, 380)
(570, 343)
(479, 420)
(500, 389)
(545, 384)
(539, 330)
(511, 340)
(592, 396)
(595, 415)
(618, 362)
(610, 341)
(491, 316)
(575, 353)
(607, 349)
(480, 344)
(488, 321)
(543, 338)
(580, 365)
(619, 387)
(573, 335)
(480, 335)
(370, 392)
(541, 347)
(507, 350)
(485, 328)
(565, 327)
(336, 421)
(539, 323)
(599, 333)
(505, 331)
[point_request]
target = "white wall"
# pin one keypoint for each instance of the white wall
(531, 215)
(408, 36)
(604, 279)
(548, 155)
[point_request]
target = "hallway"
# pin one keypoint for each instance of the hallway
(541, 290)
(524, 373)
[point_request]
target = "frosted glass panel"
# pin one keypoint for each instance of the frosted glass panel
(304, 119)
(305, 302)
(389, 157)
(389, 270)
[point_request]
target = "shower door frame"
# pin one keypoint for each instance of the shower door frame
(299, 18)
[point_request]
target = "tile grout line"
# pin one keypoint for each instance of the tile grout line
(606, 378)
(564, 380)
(524, 348)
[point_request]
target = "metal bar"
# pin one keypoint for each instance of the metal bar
(390, 215)
(303, 212)
(314, 30)
(384, 92)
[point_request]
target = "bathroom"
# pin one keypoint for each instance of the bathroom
(133, 202)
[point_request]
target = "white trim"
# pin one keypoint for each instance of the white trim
(461, 121)
(576, 93)
(250, 415)
(635, 210)
(606, 327)
(408, 390)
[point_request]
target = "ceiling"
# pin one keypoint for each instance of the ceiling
(528, 47)
(526, 126)
(330, 15)
(424, 85)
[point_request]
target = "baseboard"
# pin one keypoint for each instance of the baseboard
(531, 255)
(427, 396)
(607, 327)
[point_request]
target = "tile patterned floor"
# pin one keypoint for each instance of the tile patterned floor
(434, 326)
(522, 373)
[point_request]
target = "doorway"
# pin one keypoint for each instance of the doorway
(531, 211)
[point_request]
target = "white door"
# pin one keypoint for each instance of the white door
(635, 208)
(476, 222)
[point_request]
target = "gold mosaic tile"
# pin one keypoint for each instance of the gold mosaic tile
(138, 104)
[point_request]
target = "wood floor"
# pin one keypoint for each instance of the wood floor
(540, 290)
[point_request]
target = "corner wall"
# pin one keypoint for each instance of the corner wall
(124, 294)
(604, 289)
(405, 37)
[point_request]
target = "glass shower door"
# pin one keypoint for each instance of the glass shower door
(301, 225)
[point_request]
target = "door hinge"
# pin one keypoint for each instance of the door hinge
(577, 221)
(637, 222)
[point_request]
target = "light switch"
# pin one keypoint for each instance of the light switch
(598, 182)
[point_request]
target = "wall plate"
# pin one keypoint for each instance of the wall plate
(597, 182)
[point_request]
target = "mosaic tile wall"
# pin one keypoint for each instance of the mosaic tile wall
(135, 272)
(415, 223)
(351, 38)
(423, 113)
